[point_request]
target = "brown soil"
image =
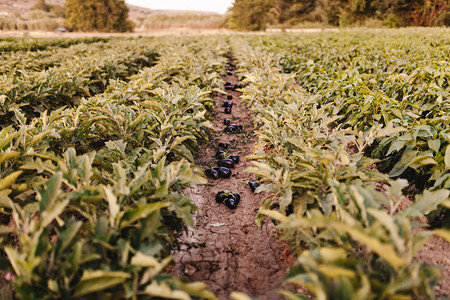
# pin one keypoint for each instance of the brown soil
(234, 254)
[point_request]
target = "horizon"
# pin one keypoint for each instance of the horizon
(217, 6)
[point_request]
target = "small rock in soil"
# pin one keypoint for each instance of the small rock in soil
(189, 270)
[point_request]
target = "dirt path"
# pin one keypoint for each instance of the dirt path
(226, 249)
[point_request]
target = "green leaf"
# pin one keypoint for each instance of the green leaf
(143, 260)
(239, 296)
(274, 215)
(8, 155)
(9, 180)
(96, 281)
(163, 290)
(113, 205)
(447, 158)
(388, 222)
(426, 203)
(434, 145)
(5, 201)
(404, 162)
(445, 234)
(66, 237)
(389, 130)
(142, 212)
(197, 289)
(384, 250)
(50, 191)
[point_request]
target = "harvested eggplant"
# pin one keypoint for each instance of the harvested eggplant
(231, 203)
(229, 73)
(253, 185)
(231, 200)
(226, 162)
(229, 97)
(234, 158)
(228, 83)
(223, 172)
(223, 145)
(211, 173)
(227, 110)
(232, 128)
(220, 197)
(228, 87)
(226, 103)
(220, 154)
(226, 122)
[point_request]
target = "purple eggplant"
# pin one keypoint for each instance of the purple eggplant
(229, 73)
(234, 158)
(223, 172)
(232, 128)
(229, 97)
(228, 87)
(220, 154)
(226, 122)
(230, 203)
(228, 83)
(253, 185)
(226, 162)
(226, 103)
(220, 197)
(227, 110)
(211, 173)
(231, 200)
(223, 145)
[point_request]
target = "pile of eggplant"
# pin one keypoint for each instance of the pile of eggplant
(224, 163)
(231, 200)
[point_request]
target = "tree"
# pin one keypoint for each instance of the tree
(41, 5)
(250, 14)
(56, 10)
(293, 9)
(98, 15)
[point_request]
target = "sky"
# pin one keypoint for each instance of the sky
(220, 6)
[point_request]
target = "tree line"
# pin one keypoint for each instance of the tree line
(256, 14)
(112, 15)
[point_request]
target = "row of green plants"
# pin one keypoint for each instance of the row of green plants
(34, 44)
(338, 212)
(388, 78)
(92, 195)
(81, 74)
(47, 58)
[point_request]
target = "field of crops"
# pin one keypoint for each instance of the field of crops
(100, 138)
